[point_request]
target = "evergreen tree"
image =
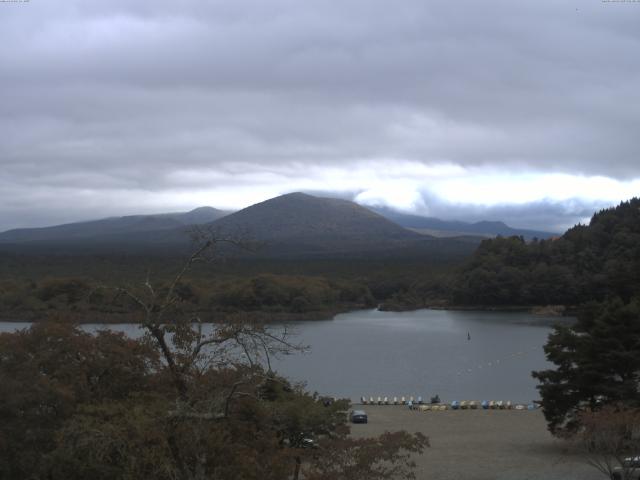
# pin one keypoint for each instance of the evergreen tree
(597, 362)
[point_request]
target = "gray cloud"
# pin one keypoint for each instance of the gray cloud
(121, 107)
(544, 215)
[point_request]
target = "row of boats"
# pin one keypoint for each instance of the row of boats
(474, 405)
(396, 401)
(435, 404)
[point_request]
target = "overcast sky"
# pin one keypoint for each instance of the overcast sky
(525, 111)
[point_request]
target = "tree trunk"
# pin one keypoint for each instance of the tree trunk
(168, 356)
(296, 472)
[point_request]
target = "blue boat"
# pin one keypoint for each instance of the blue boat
(485, 404)
(455, 405)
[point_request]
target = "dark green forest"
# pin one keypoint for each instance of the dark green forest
(34, 287)
(268, 296)
(588, 262)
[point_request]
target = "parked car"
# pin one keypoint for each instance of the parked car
(309, 442)
(358, 416)
(630, 466)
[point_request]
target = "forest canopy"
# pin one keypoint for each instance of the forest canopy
(588, 262)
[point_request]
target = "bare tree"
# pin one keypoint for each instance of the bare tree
(219, 400)
(191, 350)
(610, 439)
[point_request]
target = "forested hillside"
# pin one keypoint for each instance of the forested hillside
(589, 262)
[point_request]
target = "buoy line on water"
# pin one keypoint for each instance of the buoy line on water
(386, 400)
(496, 362)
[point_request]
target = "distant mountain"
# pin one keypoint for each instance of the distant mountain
(301, 222)
(113, 226)
(292, 225)
(452, 228)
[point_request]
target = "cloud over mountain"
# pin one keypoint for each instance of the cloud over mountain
(120, 106)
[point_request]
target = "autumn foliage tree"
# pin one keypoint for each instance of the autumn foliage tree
(610, 440)
(186, 401)
(51, 370)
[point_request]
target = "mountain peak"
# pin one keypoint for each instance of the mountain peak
(203, 209)
(296, 195)
(316, 222)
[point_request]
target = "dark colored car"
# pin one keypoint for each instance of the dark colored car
(309, 442)
(629, 470)
(358, 416)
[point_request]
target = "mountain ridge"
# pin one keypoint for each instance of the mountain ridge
(112, 225)
(291, 224)
(454, 228)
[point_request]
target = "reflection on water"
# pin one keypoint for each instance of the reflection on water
(423, 352)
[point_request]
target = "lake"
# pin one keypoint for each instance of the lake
(424, 352)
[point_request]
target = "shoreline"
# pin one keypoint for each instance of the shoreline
(560, 311)
(108, 318)
(548, 315)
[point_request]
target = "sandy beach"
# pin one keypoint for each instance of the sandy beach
(482, 444)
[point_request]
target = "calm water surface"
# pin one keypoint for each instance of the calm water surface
(423, 352)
